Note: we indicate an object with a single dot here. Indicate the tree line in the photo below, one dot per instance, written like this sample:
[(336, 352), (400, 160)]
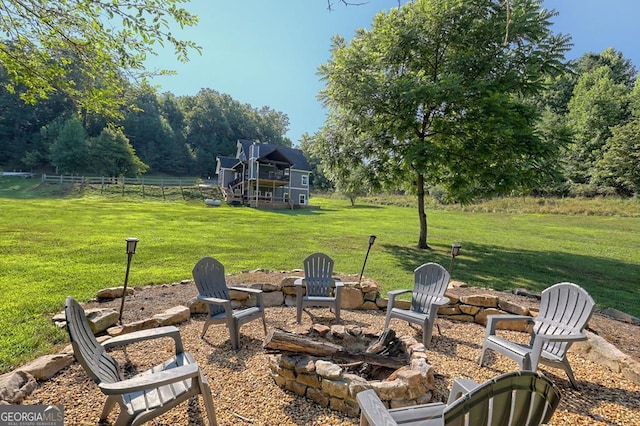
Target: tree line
[(155, 133), (457, 99), (587, 118), (473, 99)]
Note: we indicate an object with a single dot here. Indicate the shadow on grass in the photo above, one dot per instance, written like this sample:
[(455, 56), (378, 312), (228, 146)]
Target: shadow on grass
[(612, 283)]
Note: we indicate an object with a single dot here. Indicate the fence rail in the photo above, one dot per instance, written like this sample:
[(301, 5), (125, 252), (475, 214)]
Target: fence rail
[(24, 175), (105, 180), (187, 188)]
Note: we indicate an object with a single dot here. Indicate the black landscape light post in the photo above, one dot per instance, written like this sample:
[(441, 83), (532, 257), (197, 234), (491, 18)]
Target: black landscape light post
[(131, 249), (372, 239), (455, 251)]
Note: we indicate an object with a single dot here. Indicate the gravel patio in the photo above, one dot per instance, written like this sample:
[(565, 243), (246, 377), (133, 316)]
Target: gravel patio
[(245, 393)]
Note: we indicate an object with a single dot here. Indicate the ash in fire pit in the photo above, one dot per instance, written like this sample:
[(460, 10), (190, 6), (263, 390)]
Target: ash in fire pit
[(331, 365), (387, 345)]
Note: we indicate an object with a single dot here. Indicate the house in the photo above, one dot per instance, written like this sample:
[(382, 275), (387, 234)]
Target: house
[(264, 175)]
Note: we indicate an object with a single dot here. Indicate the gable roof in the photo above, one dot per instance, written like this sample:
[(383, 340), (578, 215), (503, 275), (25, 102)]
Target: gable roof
[(274, 152), (227, 162)]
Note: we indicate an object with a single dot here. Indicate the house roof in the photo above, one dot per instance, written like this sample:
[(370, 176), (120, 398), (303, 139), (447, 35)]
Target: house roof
[(227, 162), (274, 152)]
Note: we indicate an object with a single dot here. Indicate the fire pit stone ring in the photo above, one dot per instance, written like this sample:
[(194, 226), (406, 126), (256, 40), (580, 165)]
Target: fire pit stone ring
[(313, 365)]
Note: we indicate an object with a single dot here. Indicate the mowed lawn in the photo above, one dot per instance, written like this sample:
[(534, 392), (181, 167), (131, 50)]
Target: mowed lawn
[(54, 247)]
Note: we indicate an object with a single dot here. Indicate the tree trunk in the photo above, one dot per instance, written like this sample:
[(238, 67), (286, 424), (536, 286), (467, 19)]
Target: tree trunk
[(422, 215), (283, 341)]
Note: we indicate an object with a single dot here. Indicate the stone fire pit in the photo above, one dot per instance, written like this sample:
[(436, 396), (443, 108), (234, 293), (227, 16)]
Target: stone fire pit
[(332, 381)]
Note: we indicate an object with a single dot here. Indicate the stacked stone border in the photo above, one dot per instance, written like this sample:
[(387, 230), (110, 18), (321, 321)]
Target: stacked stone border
[(18, 384), (329, 385)]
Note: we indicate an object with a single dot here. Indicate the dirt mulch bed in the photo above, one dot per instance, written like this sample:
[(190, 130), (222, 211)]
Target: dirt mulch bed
[(245, 393)]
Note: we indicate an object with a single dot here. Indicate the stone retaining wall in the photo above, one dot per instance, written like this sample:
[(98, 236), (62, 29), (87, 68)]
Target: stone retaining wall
[(329, 385), (365, 295)]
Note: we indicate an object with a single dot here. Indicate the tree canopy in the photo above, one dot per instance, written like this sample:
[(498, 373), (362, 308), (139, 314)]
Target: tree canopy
[(86, 48), (441, 89)]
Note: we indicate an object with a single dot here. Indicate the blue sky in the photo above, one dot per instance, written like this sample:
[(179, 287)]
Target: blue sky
[(266, 52)]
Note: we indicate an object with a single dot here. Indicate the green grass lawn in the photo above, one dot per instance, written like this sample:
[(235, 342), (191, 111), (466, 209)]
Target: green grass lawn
[(51, 247)]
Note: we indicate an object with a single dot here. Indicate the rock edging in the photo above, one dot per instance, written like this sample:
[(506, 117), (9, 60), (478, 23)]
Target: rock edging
[(330, 385), (18, 384)]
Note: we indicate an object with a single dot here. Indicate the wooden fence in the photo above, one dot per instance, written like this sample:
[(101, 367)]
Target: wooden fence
[(139, 183)]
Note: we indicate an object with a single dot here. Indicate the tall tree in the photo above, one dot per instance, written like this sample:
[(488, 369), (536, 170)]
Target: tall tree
[(618, 166), (111, 154), (208, 131), (621, 68), (107, 39), (313, 152), (598, 104), (438, 87), (70, 151), (155, 141)]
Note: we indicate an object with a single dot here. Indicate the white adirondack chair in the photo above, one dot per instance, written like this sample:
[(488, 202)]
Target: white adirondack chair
[(210, 280), (318, 287), (520, 398), (148, 394), (430, 283), (565, 309)]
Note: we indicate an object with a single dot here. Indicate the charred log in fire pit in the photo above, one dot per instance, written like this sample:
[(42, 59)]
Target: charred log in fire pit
[(384, 352)]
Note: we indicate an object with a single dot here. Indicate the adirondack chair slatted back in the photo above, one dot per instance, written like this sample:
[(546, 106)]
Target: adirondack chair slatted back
[(518, 398), (318, 272), (210, 280), (565, 308), (431, 281), (98, 364)]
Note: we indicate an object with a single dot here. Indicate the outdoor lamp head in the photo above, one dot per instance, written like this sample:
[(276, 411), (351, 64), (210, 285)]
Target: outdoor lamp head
[(372, 239), (131, 245), (455, 249)]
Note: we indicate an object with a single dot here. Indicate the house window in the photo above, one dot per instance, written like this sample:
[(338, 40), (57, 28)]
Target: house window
[(305, 180), (302, 199), (285, 197)]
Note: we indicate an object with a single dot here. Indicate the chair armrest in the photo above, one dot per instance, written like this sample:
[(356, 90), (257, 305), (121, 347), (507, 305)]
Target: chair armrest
[(492, 321), (372, 409), (539, 340), (150, 381), (252, 291), (394, 293), (246, 290), (213, 300), (562, 337), (392, 297), (441, 301), (460, 387), (139, 336), (228, 309)]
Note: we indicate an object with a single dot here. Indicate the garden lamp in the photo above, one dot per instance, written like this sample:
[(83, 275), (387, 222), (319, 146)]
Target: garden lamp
[(372, 239), (131, 249), (455, 251)]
